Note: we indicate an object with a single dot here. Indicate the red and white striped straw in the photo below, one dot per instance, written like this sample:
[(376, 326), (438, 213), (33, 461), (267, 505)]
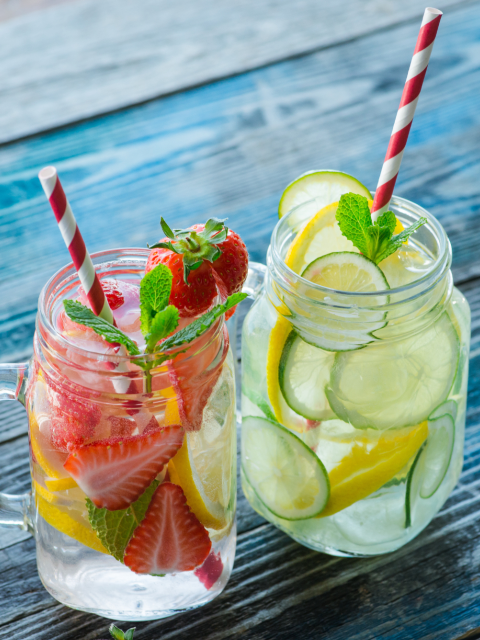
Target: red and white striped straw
[(406, 111), (75, 244)]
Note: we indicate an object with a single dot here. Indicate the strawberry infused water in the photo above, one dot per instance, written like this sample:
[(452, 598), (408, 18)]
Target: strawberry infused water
[(133, 430)]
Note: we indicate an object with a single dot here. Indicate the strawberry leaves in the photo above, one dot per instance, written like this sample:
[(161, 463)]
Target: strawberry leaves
[(374, 239), (194, 246)]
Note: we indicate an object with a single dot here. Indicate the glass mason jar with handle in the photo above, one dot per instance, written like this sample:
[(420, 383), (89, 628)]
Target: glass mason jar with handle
[(353, 404), (133, 491)]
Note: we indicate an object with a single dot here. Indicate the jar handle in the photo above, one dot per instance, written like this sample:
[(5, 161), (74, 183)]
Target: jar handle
[(14, 509), (255, 279), (252, 286)]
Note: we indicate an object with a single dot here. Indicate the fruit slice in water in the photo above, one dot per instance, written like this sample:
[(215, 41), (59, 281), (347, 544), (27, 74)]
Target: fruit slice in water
[(114, 473), (285, 474), (396, 383), (303, 373), (68, 522), (203, 465), (438, 453), (283, 413), (320, 236), (371, 464), (170, 538), (324, 187), (345, 271)]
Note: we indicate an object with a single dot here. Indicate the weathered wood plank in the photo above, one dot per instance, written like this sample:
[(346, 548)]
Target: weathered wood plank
[(230, 148), (280, 588), (114, 53)]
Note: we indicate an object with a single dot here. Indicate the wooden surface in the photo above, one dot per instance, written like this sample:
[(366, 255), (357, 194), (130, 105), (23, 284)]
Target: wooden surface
[(85, 57), (228, 148)]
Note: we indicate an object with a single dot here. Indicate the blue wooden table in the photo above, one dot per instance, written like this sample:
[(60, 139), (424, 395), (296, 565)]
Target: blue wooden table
[(188, 111)]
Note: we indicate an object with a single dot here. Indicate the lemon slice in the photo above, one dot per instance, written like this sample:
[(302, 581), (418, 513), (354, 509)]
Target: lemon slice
[(319, 187), (366, 468), (320, 236), (68, 521), (205, 464)]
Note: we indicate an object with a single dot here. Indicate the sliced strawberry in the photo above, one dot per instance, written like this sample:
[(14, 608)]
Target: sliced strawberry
[(73, 418), (170, 538), (121, 426), (210, 571), (193, 389), (115, 472)]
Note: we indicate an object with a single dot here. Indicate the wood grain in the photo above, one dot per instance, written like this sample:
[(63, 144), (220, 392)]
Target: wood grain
[(229, 149), (79, 59)]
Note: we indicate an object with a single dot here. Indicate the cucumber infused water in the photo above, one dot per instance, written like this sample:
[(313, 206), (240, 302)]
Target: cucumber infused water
[(355, 365)]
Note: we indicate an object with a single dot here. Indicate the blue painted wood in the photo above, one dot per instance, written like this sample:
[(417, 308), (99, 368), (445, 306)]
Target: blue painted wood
[(229, 149)]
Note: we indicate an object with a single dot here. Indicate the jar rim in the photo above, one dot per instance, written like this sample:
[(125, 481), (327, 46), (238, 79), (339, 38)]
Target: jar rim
[(438, 269), (68, 274)]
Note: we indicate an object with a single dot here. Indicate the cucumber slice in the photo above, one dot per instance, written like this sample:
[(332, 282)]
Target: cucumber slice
[(395, 383), (449, 407), (303, 373), (324, 187), (414, 481), (285, 474), (352, 272), (438, 453)]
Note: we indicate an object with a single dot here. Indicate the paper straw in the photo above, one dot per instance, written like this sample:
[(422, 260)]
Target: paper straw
[(406, 111), (81, 259), (73, 239)]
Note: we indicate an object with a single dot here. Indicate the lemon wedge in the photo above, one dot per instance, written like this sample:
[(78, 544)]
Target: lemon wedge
[(205, 464), (366, 468), (68, 521)]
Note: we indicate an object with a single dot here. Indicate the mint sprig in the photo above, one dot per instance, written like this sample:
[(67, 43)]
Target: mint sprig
[(157, 320), (374, 239), (118, 634), (79, 313), (200, 325), (115, 528)]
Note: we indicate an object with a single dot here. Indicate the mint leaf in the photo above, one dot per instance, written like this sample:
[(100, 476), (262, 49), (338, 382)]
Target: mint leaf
[(200, 325), (81, 314), (379, 237), (374, 240), (155, 289), (354, 220), (388, 220), (117, 634), (397, 241), (115, 528), (161, 326)]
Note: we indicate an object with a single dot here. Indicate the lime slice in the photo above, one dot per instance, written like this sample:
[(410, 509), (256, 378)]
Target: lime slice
[(396, 383), (324, 187), (439, 448), (285, 474), (345, 271), (303, 373)]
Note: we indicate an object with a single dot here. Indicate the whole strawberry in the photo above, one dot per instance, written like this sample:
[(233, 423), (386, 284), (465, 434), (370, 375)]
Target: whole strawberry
[(210, 256)]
